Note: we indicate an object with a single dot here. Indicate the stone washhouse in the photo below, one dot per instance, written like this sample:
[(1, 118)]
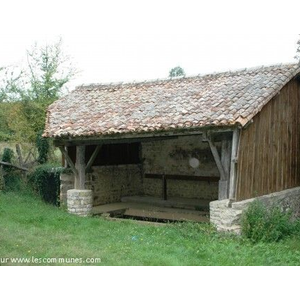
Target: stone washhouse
[(181, 149)]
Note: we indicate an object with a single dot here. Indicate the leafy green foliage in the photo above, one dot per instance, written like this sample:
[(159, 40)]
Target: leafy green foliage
[(26, 94), (7, 156), (267, 223), (25, 120), (5, 130), (176, 72), (11, 84), (43, 148), (12, 177), (45, 179), (49, 71)]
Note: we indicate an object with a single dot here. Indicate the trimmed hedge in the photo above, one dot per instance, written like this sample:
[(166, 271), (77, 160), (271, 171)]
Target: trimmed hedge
[(45, 180)]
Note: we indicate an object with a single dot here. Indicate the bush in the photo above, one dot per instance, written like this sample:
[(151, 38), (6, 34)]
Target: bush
[(45, 179), (11, 178), (267, 223), (7, 156), (43, 148)]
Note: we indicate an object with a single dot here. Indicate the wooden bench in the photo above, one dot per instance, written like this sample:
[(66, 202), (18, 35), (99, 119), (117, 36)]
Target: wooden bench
[(165, 177)]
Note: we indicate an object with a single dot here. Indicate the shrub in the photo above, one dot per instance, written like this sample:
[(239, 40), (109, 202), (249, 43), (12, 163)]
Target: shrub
[(12, 178), (45, 179), (43, 148), (7, 156), (267, 223)]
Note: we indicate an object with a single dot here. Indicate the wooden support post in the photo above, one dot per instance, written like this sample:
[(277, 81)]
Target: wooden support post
[(233, 168), (223, 163), (80, 167), (225, 160), (20, 157)]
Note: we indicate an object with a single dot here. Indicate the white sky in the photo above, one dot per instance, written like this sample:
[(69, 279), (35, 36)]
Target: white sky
[(136, 40)]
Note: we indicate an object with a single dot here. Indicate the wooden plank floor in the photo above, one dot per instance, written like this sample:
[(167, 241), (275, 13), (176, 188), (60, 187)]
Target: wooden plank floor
[(146, 211)]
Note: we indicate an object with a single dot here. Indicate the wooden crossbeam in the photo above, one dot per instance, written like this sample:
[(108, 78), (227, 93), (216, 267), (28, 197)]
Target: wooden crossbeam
[(183, 177), (92, 159), (69, 160), (133, 138)]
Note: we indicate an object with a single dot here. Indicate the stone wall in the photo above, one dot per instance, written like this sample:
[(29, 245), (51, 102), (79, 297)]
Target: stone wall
[(108, 183), (226, 216), (66, 183), (172, 157)]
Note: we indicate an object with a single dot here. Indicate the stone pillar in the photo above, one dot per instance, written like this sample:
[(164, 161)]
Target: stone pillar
[(224, 217), (80, 202), (66, 183)]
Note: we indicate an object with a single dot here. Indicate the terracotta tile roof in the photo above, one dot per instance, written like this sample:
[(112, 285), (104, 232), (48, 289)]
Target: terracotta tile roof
[(222, 99)]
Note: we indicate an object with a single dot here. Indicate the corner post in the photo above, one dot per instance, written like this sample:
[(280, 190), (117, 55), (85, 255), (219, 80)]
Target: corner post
[(233, 165), (225, 160), (80, 167), (223, 164)]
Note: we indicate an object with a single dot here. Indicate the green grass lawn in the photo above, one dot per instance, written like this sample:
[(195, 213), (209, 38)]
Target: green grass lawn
[(37, 231)]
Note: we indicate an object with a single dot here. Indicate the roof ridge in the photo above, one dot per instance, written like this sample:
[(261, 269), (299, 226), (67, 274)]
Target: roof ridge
[(168, 79)]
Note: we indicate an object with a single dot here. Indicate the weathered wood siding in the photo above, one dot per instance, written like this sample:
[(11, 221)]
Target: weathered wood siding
[(269, 153)]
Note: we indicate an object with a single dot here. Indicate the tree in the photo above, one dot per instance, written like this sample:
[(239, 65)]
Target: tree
[(49, 72), (10, 84), (26, 94), (5, 131), (176, 72)]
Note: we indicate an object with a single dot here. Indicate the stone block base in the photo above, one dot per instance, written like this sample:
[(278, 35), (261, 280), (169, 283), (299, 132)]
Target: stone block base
[(80, 202), (227, 216)]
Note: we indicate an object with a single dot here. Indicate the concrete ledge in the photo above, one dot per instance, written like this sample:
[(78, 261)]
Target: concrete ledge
[(227, 217), (80, 202)]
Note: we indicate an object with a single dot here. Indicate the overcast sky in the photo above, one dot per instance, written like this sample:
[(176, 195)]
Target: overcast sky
[(136, 40)]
